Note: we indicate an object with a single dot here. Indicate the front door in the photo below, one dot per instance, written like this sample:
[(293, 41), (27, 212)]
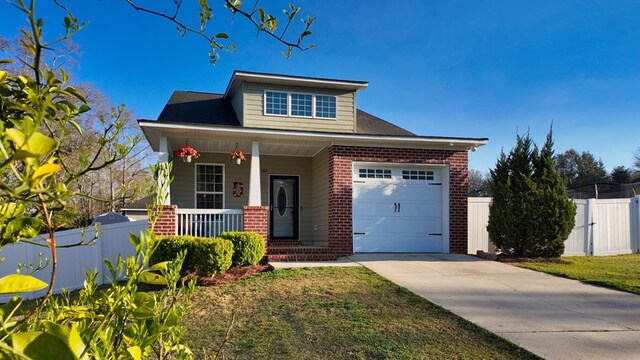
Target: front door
[(283, 207)]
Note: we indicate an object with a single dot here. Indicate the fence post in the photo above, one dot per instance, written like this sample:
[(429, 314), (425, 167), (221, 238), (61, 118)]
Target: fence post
[(589, 216), (635, 221)]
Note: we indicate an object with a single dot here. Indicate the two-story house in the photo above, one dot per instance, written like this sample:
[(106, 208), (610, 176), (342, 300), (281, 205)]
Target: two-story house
[(322, 179)]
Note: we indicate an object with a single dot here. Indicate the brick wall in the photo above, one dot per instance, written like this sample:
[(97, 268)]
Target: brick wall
[(255, 219), (340, 189), (167, 224)]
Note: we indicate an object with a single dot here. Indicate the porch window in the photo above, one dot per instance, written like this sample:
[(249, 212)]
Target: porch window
[(209, 186)]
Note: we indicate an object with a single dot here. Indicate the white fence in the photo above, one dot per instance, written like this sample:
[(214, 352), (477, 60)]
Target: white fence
[(208, 222), (603, 227), (73, 261)]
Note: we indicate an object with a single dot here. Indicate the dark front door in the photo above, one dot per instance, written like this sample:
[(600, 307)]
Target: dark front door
[(283, 207)]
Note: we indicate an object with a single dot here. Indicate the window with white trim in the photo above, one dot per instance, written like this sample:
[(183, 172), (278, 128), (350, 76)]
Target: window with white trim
[(276, 103), (326, 106), (281, 103), (209, 186)]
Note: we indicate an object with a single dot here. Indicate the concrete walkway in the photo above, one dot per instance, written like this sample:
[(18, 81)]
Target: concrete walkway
[(553, 317)]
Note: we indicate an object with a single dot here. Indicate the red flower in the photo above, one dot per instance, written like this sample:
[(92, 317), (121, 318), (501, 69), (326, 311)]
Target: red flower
[(187, 151), (238, 154)]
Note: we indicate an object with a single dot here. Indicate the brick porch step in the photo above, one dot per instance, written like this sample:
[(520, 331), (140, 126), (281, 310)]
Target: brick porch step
[(299, 253)]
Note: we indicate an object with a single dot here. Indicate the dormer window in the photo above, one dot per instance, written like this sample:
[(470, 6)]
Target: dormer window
[(299, 105)]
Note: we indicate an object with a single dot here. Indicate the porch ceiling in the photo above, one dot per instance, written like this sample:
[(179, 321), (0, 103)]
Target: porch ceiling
[(226, 145)]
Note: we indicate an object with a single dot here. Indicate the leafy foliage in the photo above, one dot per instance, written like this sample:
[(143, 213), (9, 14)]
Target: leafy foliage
[(205, 256), (530, 214), (248, 247), (621, 175), (581, 168)]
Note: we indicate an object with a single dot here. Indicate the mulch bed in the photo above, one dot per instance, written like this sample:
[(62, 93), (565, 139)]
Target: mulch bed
[(234, 274)]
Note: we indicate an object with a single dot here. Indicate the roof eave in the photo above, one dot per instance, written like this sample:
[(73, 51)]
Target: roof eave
[(153, 131), (240, 76)]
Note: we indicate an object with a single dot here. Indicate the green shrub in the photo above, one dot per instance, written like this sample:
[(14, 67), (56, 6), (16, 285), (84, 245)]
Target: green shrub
[(248, 247), (530, 214), (205, 256)]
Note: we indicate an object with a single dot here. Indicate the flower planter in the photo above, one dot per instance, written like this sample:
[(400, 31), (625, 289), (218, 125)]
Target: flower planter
[(237, 161), (186, 159)]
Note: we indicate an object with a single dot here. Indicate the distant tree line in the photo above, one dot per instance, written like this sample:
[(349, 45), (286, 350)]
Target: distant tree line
[(578, 168)]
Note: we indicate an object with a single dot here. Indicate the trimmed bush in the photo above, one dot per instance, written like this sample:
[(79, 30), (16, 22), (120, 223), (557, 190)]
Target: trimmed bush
[(205, 256), (248, 247)]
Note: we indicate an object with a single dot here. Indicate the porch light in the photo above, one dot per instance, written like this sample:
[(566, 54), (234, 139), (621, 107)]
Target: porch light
[(186, 153)]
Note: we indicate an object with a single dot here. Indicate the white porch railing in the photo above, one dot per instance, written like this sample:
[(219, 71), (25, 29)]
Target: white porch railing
[(208, 222)]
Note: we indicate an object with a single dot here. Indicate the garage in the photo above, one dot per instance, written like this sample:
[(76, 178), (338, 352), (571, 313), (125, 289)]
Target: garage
[(399, 208)]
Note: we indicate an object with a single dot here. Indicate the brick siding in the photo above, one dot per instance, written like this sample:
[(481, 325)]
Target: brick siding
[(340, 189), (255, 219), (167, 224)]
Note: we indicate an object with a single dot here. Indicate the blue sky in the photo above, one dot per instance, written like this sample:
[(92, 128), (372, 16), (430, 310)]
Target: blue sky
[(446, 68)]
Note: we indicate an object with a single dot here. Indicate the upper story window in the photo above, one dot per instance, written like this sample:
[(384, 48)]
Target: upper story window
[(326, 106), (276, 103), (301, 105), (298, 104)]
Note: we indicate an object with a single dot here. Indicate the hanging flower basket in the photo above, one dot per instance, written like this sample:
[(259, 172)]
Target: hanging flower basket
[(186, 153), (237, 157)]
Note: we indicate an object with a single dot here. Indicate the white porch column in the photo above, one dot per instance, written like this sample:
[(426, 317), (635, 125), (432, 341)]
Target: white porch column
[(163, 157), (255, 196)]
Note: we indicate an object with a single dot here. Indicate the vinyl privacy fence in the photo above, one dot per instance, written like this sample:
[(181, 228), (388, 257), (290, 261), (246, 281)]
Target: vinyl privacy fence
[(113, 240), (603, 227)]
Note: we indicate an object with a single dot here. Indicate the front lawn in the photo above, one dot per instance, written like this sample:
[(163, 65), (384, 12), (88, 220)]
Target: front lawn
[(332, 313), (621, 272)]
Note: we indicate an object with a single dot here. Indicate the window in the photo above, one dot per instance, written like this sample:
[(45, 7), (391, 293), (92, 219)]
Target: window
[(301, 105), (417, 174), (209, 186), (325, 106), (276, 103), (374, 173), (297, 104)]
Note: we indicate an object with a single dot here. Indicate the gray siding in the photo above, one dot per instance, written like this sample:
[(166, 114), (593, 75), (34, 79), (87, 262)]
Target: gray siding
[(254, 110), (238, 104), (313, 187)]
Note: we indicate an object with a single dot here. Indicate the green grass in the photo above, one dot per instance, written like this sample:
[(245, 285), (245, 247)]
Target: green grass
[(332, 313), (621, 272)]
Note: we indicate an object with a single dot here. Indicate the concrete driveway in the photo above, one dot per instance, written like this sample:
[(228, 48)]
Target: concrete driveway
[(553, 317)]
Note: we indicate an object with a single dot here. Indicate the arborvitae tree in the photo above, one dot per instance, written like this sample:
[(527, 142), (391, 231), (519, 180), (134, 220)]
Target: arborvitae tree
[(530, 214)]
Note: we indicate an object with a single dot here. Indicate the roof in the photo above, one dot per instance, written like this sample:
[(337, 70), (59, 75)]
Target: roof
[(191, 107), (140, 204), (373, 125), (198, 108), (240, 76)]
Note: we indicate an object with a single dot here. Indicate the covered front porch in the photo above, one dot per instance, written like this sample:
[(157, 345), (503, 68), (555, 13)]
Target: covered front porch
[(281, 191)]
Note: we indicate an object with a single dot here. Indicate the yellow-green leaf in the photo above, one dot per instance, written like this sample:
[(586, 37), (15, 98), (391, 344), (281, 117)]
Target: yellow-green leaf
[(69, 336), (16, 136), (41, 346), (17, 283), (135, 352), (3, 75), (11, 210), (148, 277), (44, 171), (159, 266)]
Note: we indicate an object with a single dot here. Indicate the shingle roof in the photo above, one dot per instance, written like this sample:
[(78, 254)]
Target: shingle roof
[(198, 108), (206, 108)]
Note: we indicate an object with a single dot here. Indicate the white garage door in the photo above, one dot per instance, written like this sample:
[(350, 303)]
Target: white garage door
[(397, 209)]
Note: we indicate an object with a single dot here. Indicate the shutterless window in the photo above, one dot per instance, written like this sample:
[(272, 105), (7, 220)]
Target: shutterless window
[(325, 106), (276, 103), (209, 186), (301, 105)]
